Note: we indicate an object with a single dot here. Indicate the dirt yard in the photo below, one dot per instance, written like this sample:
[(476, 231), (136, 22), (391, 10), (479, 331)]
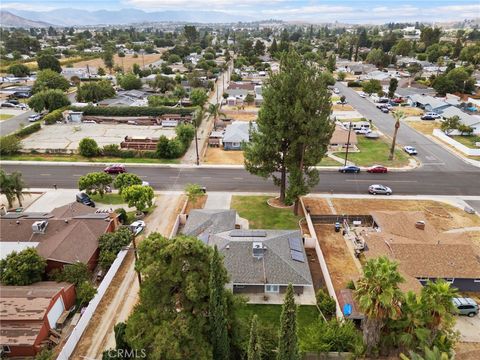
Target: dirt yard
[(340, 263), (220, 156), (28, 199), (126, 62), (242, 115), (199, 204), (342, 107), (317, 205), (425, 127), (410, 111), (443, 216), (315, 270)]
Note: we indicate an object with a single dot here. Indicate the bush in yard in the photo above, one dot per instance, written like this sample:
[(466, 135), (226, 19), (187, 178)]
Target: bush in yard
[(169, 149), (73, 273), (110, 245), (50, 99), (122, 215), (88, 147), (27, 130), (111, 150), (354, 84), (130, 81), (132, 110), (185, 134), (341, 76), (193, 191), (95, 91), (52, 117), (125, 180), (22, 268), (85, 292), (141, 197), (94, 182), (9, 145), (326, 303), (19, 70), (372, 86)]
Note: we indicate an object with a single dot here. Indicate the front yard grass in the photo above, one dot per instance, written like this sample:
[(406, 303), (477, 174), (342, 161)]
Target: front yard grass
[(78, 158), (375, 152), (424, 126), (5, 116), (328, 161), (108, 199), (261, 215), (270, 314), (468, 141)]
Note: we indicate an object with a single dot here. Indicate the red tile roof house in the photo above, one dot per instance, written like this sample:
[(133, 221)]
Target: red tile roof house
[(67, 235), (28, 313)]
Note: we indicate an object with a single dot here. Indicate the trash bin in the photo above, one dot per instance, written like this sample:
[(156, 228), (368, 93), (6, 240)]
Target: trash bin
[(337, 227)]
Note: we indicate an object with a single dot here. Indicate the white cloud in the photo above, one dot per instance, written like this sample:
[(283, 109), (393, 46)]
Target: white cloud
[(198, 4), (27, 6), (309, 10)]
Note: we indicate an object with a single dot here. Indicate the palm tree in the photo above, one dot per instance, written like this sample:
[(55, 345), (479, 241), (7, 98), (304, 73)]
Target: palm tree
[(379, 297), (6, 188), (215, 112), (397, 115), (18, 185)]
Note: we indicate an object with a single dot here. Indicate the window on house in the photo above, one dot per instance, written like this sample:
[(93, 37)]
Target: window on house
[(450, 280), (272, 288), (476, 280)]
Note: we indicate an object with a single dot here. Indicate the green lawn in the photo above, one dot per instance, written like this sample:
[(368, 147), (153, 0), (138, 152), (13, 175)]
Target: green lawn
[(270, 314), (5, 116), (108, 199), (77, 158), (327, 161), (375, 152), (468, 141), (261, 215)]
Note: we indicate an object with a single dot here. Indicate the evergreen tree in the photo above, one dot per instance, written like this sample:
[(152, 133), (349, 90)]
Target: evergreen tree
[(288, 338), (217, 309), (254, 351), (273, 48)]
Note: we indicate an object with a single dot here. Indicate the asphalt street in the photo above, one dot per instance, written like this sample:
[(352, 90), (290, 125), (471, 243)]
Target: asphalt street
[(417, 182), (433, 156)]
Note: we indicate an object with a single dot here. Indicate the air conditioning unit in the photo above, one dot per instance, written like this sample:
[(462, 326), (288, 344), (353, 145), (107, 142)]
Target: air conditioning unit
[(38, 227)]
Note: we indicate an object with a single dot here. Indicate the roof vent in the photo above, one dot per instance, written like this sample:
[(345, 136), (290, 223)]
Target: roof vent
[(257, 250), (420, 225), (39, 227)]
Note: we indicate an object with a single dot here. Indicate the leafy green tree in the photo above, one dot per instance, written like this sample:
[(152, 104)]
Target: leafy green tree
[(217, 308), (141, 197), (130, 81), (288, 337), (249, 99), (430, 36), (198, 97), (403, 47), (341, 75), (19, 70), (326, 303), (94, 182), (6, 188), (18, 185), (185, 134), (50, 100), (110, 245), (254, 351), (22, 268), (95, 91), (372, 86), (273, 48), (450, 124), (168, 149), (107, 58), (191, 34), (85, 292), (379, 297), (49, 79), (259, 48), (45, 354), (101, 71), (9, 144), (50, 62), (392, 87), (377, 57), (331, 63), (76, 273), (162, 83), (294, 128), (88, 147), (456, 80), (193, 192), (125, 180)]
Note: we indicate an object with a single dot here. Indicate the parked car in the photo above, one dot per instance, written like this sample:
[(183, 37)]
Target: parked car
[(398, 100), (372, 135), (466, 306), (34, 117), (385, 110), (336, 91), (137, 227), (362, 94), (13, 101), (433, 114), (341, 103), (362, 131), (383, 100), (377, 169), (21, 94), (349, 169), (410, 150), (145, 183), (8, 105), (379, 189), (115, 169), (85, 199), (427, 117)]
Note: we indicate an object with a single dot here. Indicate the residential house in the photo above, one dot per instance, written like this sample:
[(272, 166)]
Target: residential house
[(127, 98), (427, 103), (66, 235), (422, 251), (408, 91), (237, 133), (29, 313), (237, 91), (465, 119), (340, 139)]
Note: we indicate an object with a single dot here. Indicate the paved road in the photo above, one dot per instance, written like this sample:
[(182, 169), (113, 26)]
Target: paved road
[(15, 123), (417, 182), (433, 156)]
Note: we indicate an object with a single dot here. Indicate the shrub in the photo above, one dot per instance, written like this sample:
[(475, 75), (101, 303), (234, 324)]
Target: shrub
[(122, 215), (9, 145), (22, 268), (326, 303), (169, 149), (132, 110), (354, 84), (53, 117), (27, 130), (88, 147), (111, 150)]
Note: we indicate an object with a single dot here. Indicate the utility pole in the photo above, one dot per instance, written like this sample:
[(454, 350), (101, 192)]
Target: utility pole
[(196, 142), (348, 142)]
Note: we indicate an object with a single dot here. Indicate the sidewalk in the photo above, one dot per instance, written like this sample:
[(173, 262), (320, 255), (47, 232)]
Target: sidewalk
[(218, 200)]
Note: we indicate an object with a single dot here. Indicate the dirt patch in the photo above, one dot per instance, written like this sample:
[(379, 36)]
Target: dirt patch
[(126, 62), (467, 351), (340, 263), (220, 156), (410, 111), (315, 270), (28, 199), (198, 204), (339, 107), (425, 127), (241, 115), (317, 206), (276, 203)]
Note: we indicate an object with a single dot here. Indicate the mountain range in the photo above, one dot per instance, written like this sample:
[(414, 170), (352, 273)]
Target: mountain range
[(7, 19), (78, 17)]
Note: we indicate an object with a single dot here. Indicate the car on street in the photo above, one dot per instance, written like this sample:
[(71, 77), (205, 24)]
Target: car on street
[(465, 306), (137, 227), (13, 101), (115, 169), (84, 199), (336, 91), (410, 150), (362, 131), (379, 189), (34, 117), (145, 183), (8, 105), (384, 109), (377, 169), (362, 94), (398, 100), (349, 169), (21, 95)]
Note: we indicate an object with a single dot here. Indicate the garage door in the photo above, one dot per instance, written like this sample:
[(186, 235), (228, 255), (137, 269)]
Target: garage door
[(57, 309)]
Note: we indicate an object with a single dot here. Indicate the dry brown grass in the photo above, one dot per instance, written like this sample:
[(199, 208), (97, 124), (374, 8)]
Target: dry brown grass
[(340, 263), (127, 62), (339, 107), (467, 351), (443, 216), (198, 204), (410, 111), (317, 206), (219, 156), (425, 127)]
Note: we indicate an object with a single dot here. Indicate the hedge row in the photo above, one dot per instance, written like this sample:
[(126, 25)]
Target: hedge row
[(132, 110), (27, 130), (53, 117), (354, 84)]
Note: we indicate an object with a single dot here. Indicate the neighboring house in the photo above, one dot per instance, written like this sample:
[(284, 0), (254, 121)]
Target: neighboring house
[(409, 91), (427, 103), (339, 139), (423, 252), (258, 95), (65, 236), (127, 98), (29, 313), (237, 133), (257, 261), (465, 119), (82, 73), (240, 89)]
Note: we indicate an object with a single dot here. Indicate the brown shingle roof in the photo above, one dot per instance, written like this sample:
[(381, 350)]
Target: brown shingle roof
[(340, 136)]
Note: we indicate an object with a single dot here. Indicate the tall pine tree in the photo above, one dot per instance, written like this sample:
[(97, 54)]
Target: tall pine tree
[(288, 339), (217, 307), (254, 344)]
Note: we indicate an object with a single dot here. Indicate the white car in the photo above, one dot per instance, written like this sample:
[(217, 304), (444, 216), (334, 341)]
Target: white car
[(34, 117), (433, 114), (336, 91), (362, 131), (410, 150), (379, 189), (137, 227), (362, 94), (145, 183)]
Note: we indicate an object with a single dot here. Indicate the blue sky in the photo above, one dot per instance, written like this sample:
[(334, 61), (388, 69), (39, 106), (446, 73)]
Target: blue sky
[(375, 11)]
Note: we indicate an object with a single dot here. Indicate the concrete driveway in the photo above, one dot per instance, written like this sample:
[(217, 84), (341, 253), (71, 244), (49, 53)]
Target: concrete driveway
[(469, 328)]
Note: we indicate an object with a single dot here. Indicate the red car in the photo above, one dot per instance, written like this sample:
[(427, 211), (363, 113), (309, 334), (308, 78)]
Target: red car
[(398, 100), (377, 169), (115, 169)]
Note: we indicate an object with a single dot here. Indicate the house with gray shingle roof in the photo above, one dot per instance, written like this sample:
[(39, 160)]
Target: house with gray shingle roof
[(237, 133)]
